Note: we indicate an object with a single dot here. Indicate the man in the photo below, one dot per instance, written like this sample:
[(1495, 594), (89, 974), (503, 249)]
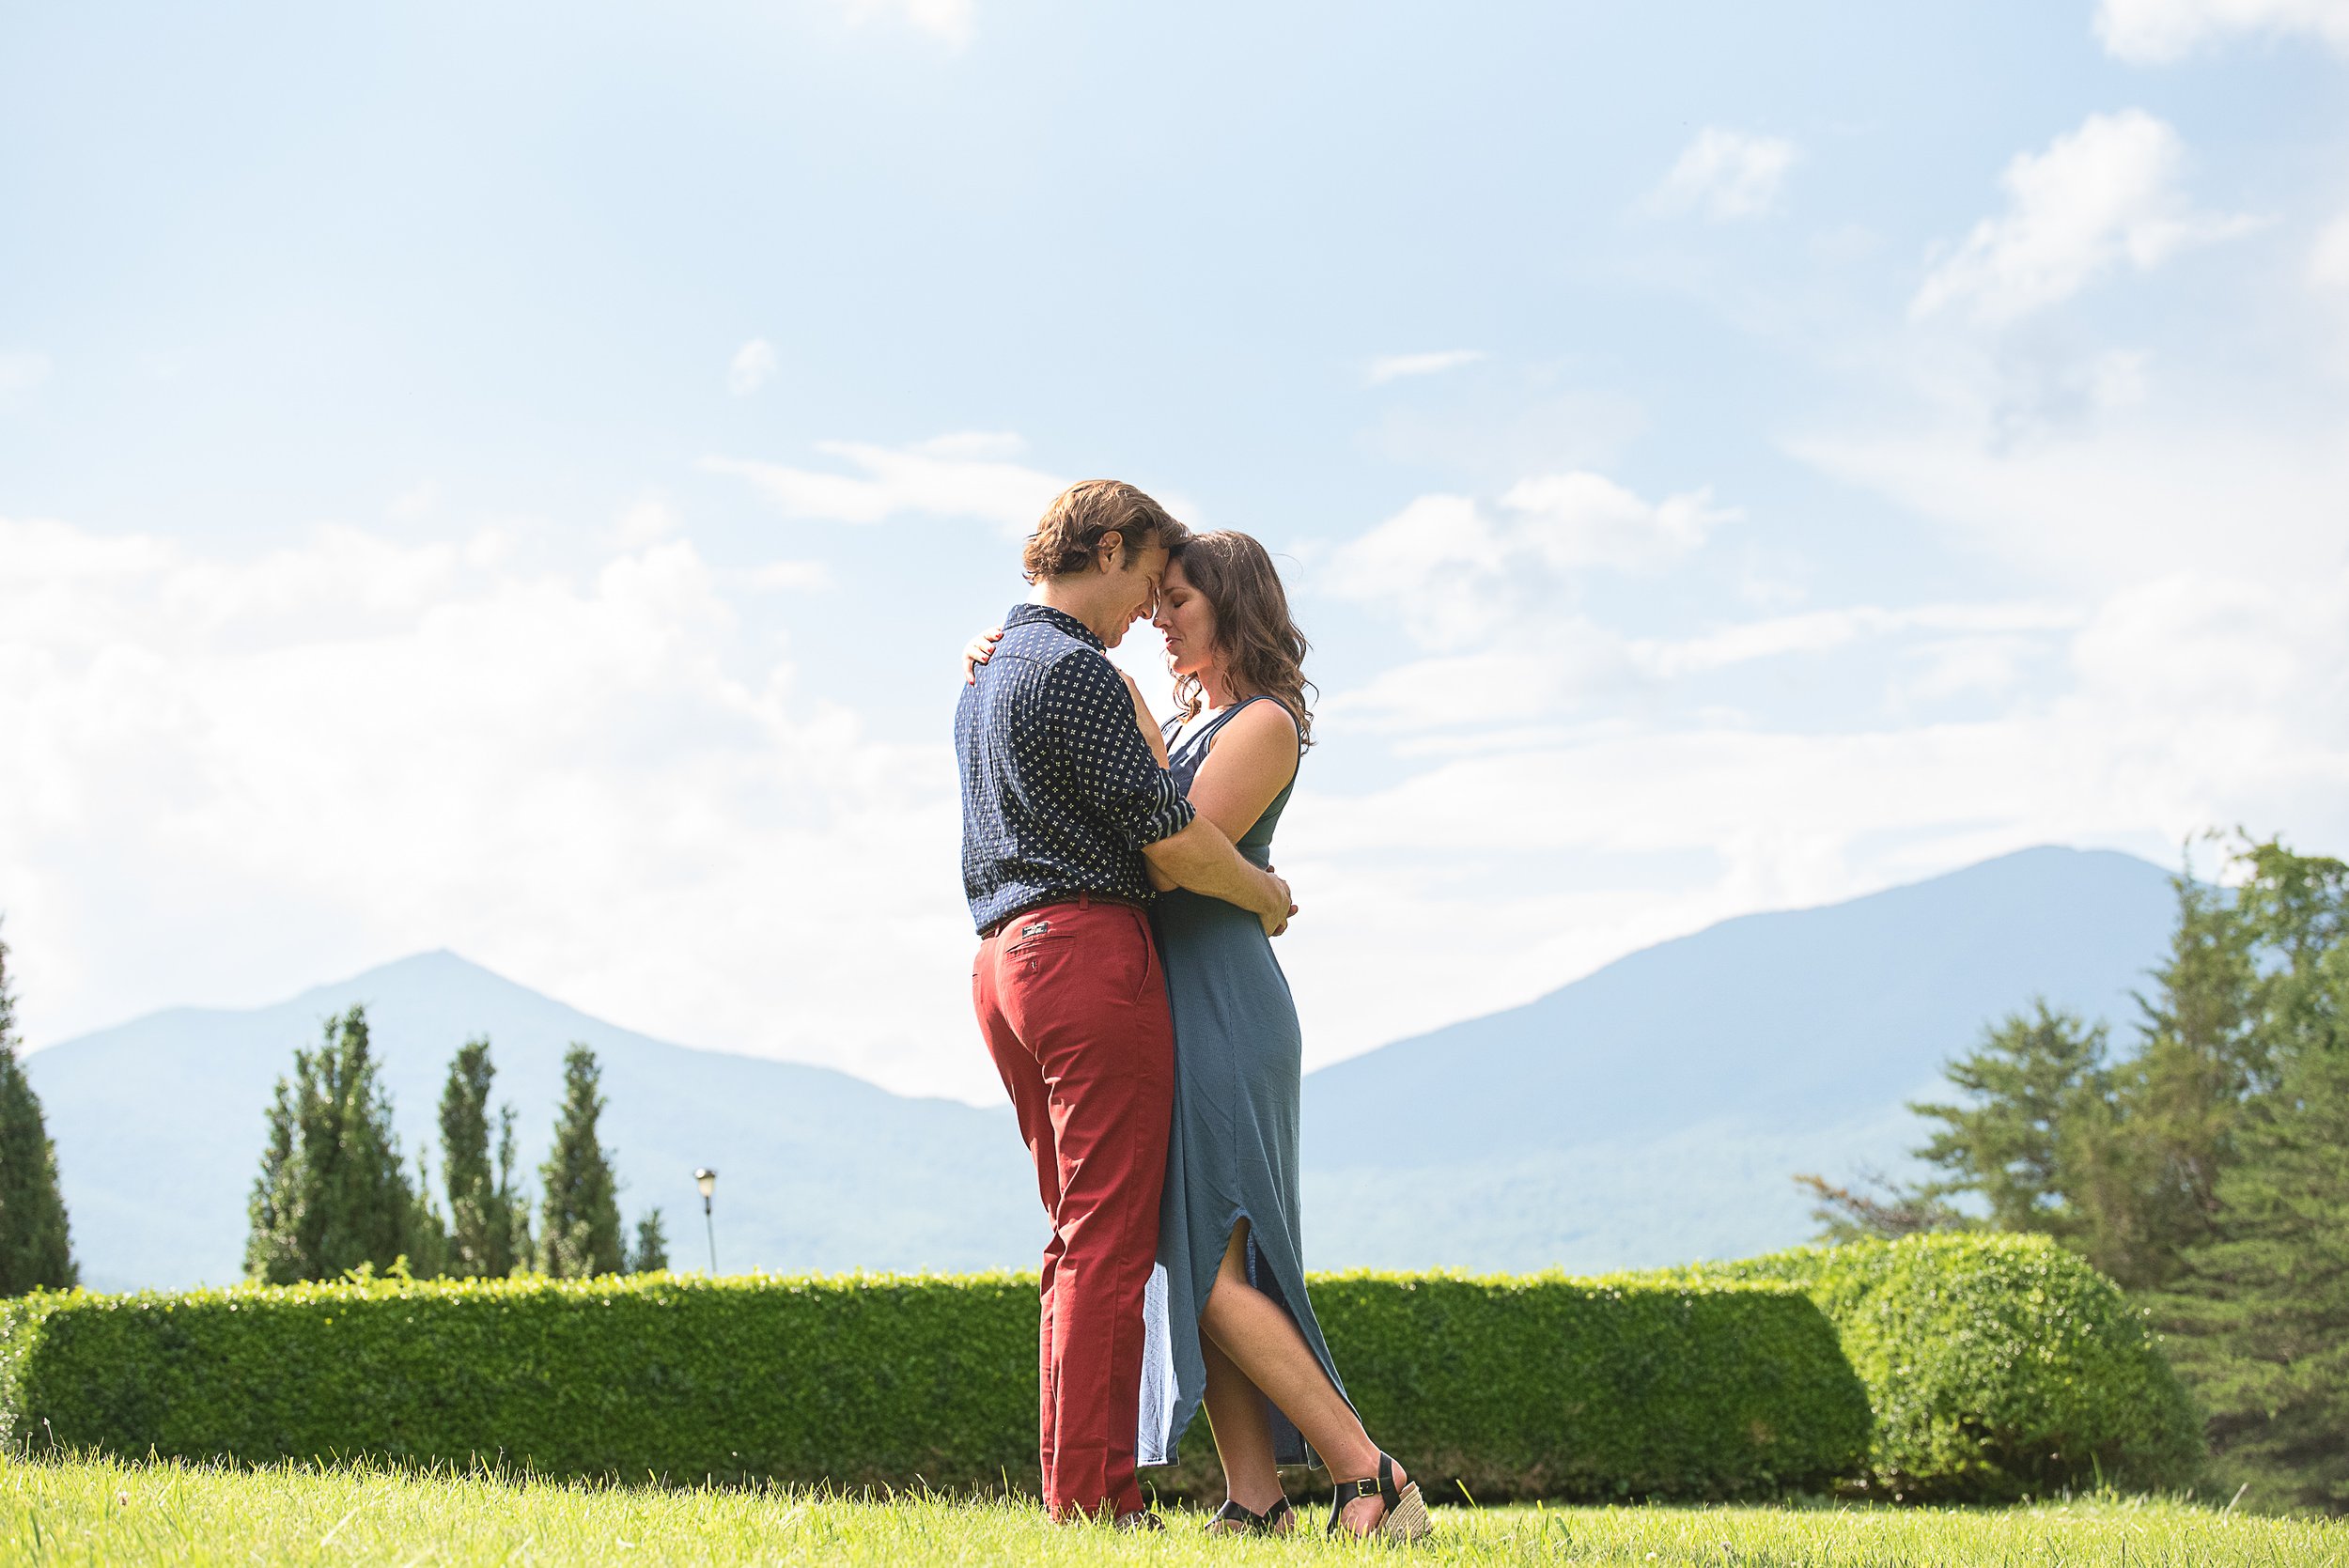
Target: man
[(1063, 809)]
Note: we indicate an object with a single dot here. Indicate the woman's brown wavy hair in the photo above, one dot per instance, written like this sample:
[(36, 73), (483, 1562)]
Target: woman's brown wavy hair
[(1262, 652)]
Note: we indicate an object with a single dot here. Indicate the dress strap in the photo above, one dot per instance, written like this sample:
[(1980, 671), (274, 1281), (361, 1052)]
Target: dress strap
[(1225, 717)]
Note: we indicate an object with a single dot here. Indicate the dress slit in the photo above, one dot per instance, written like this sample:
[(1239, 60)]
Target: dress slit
[(1232, 1149)]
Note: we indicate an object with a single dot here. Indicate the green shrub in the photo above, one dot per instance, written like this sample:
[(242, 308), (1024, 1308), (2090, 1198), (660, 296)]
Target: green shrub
[(1515, 1387), (1543, 1385), (1998, 1366)]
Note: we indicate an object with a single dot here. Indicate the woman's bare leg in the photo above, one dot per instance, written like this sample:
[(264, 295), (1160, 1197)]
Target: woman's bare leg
[(1243, 1433), (1263, 1344)]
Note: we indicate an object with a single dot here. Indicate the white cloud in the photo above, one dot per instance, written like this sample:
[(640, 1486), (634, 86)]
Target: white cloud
[(1394, 367), (2329, 259), (2145, 491), (1726, 174), (1565, 667), (956, 475), (415, 503), (648, 520), (2100, 197), (21, 372), (2182, 702), (791, 575), (2158, 30), (250, 774), (752, 367), (951, 21), (1457, 567)]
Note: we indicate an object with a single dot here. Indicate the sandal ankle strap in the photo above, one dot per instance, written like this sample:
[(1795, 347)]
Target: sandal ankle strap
[(1237, 1513), (1381, 1486)]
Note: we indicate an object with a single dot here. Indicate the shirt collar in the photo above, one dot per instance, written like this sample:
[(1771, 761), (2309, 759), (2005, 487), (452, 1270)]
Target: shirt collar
[(1023, 615)]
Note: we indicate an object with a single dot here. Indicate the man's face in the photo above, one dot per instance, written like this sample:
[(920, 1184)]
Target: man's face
[(1137, 576)]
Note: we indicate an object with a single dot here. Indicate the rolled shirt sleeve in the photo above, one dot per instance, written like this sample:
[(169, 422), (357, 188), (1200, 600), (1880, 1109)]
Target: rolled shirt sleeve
[(1115, 771)]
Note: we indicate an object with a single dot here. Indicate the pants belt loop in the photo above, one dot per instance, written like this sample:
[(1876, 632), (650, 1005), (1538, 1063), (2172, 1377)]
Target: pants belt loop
[(1084, 901)]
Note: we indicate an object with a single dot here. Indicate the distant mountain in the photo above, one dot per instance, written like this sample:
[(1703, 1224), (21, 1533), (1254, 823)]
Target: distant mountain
[(1652, 1111), (159, 1124), (1648, 1114)]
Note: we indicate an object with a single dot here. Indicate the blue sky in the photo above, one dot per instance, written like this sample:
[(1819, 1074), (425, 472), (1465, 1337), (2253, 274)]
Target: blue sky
[(514, 478)]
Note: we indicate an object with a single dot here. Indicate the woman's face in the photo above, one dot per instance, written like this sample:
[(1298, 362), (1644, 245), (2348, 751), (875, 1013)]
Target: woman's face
[(1187, 620)]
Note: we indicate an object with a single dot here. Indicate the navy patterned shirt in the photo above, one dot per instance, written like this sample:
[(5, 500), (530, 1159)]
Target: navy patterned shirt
[(1060, 791)]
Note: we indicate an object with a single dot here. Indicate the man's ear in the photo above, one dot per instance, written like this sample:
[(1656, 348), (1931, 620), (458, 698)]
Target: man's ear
[(1109, 554)]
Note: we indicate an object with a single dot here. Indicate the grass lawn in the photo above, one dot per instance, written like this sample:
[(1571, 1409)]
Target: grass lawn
[(104, 1512)]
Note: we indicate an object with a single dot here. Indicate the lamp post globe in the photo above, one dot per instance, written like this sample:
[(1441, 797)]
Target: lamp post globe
[(707, 1180)]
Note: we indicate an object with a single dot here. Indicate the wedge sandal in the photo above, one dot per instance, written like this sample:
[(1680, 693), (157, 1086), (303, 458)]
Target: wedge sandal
[(1242, 1522), (1406, 1518)]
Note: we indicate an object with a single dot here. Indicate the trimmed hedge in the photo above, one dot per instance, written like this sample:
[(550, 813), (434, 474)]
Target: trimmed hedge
[(1998, 1366), (1511, 1388)]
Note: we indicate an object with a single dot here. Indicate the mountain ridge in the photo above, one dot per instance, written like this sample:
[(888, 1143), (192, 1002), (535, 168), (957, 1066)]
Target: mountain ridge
[(1650, 1111)]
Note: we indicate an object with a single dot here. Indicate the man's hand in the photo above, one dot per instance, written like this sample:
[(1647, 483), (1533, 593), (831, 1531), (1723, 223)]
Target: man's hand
[(982, 649), (1275, 913), (1202, 858)]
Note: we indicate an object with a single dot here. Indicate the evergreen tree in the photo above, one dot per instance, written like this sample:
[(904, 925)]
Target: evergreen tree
[(2147, 1184), (1876, 1208), (2261, 1323), (579, 1230), (483, 1206), (2260, 1313), (2120, 1160), (333, 1194), (652, 1245), (2208, 1172), (2014, 1146), (428, 1251), (525, 1251), (35, 1248)]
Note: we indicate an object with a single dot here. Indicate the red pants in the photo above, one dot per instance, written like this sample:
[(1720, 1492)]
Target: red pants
[(1073, 1006)]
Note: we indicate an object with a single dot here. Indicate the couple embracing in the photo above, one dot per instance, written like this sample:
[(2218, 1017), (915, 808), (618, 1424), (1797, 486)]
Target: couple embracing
[(1121, 882)]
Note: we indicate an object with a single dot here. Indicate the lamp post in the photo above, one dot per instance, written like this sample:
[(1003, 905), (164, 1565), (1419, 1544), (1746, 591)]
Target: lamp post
[(707, 1180)]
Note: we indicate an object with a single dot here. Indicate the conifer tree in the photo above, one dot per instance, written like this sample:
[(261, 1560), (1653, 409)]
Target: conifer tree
[(333, 1194), (525, 1251), (579, 1231), (651, 1253), (2148, 1186), (2260, 1313), (2015, 1144), (34, 1247), (428, 1249), (2260, 1323), (482, 1203)]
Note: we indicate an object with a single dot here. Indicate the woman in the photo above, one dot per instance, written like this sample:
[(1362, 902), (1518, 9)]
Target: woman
[(1232, 1327)]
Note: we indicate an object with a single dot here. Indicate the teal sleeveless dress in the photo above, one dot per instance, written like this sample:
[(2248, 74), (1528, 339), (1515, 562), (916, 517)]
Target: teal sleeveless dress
[(1233, 1151)]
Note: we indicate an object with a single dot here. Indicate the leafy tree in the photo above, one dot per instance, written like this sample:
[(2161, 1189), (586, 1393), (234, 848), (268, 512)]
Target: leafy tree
[(652, 1245), (578, 1231), (333, 1194), (488, 1220), (35, 1248)]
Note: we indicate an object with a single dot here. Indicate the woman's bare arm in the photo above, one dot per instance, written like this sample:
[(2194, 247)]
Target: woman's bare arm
[(1253, 759)]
